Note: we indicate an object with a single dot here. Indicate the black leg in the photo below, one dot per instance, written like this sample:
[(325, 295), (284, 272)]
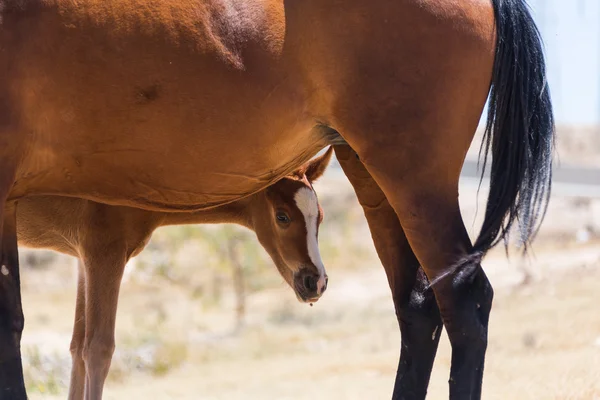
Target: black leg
[(421, 328), (416, 308), (466, 322), (12, 385)]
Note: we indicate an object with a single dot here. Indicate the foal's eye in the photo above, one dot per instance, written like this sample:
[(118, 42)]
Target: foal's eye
[(282, 218)]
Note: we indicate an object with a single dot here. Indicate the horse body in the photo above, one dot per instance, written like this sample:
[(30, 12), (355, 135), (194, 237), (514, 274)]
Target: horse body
[(104, 238), (140, 87), (101, 94), (185, 105)]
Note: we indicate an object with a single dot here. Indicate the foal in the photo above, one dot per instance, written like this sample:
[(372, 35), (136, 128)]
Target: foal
[(285, 218)]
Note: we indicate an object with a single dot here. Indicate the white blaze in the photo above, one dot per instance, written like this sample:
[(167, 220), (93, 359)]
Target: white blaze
[(306, 200)]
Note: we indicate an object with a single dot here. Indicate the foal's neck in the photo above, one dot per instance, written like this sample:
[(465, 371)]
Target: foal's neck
[(237, 212)]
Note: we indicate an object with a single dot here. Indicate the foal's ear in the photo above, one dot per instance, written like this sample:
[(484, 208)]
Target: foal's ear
[(316, 167)]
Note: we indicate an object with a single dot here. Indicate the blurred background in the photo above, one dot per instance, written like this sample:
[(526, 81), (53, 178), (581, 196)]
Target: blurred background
[(204, 314)]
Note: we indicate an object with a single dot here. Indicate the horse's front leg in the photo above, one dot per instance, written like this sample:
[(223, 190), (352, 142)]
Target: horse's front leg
[(12, 385), (416, 308), (103, 271), (78, 374)]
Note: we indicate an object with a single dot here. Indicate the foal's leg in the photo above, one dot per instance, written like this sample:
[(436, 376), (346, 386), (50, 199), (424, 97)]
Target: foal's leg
[(416, 309), (104, 270), (12, 385), (78, 374)]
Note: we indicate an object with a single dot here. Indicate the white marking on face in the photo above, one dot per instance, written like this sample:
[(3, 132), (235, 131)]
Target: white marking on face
[(434, 332), (4, 270), (307, 203)]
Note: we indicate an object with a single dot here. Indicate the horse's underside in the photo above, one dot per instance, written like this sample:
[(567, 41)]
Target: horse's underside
[(186, 104)]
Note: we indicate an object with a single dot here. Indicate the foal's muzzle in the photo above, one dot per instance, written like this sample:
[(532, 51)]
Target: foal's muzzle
[(309, 285)]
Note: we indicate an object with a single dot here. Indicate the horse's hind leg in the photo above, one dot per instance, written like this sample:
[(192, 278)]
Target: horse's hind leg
[(414, 147), (416, 309), (78, 374), (12, 385), (421, 184)]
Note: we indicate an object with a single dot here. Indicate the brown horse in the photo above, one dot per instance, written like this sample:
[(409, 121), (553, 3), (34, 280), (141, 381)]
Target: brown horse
[(285, 217), (174, 105)]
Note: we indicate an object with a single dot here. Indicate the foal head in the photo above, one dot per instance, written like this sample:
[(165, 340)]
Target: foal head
[(286, 219)]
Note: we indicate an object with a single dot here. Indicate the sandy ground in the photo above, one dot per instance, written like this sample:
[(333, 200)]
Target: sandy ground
[(544, 334), (544, 341)]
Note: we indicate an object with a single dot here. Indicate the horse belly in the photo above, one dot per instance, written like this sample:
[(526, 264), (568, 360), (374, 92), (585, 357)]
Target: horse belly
[(125, 117), (204, 169)]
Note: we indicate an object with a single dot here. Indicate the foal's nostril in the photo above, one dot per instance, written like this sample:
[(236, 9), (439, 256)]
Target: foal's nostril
[(310, 283)]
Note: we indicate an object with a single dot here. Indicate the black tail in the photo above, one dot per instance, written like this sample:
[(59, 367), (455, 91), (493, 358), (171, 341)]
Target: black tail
[(519, 131)]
